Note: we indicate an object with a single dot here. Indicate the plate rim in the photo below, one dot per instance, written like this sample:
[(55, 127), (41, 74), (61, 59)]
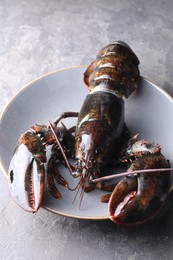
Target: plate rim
[(74, 216), (2, 114)]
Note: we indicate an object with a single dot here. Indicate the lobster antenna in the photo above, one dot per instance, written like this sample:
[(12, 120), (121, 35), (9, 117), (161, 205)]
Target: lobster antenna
[(122, 174), (78, 186), (81, 185), (74, 187), (81, 197), (60, 146)]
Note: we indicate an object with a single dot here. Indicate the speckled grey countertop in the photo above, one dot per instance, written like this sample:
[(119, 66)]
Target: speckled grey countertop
[(37, 37)]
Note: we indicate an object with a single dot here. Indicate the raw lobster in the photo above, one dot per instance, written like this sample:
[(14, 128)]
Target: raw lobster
[(99, 135)]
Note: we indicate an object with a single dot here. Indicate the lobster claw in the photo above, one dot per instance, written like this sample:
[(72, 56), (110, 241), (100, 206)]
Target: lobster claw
[(119, 202), (26, 176), (137, 199)]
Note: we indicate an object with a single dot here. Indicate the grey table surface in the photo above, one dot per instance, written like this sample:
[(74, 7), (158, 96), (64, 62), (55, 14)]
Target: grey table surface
[(37, 37)]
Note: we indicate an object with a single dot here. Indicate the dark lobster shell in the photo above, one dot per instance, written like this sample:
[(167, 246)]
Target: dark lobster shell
[(115, 69)]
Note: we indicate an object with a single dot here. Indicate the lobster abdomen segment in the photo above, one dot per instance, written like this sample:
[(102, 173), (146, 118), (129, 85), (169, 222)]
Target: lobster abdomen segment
[(115, 69)]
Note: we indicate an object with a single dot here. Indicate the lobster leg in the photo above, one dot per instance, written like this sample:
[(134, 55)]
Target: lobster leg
[(65, 115), (51, 172), (136, 199)]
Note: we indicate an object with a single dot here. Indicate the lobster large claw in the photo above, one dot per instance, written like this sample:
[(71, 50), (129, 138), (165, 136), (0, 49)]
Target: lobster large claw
[(136, 199), (26, 172)]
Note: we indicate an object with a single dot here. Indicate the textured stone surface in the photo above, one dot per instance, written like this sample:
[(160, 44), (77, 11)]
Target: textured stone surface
[(41, 36)]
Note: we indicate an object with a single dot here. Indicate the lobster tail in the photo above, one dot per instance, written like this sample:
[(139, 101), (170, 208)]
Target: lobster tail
[(114, 70)]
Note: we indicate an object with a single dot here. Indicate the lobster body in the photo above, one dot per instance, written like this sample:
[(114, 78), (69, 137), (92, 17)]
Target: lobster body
[(99, 128), (111, 76)]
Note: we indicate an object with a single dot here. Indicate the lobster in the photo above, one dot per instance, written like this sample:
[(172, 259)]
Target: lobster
[(142, 193), (97, 140)]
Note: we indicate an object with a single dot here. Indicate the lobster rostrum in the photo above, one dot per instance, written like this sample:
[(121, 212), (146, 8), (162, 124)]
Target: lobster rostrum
[(98, 139)]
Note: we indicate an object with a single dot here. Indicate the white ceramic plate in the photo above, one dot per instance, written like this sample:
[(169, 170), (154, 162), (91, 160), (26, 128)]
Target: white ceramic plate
[(149, 111)]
